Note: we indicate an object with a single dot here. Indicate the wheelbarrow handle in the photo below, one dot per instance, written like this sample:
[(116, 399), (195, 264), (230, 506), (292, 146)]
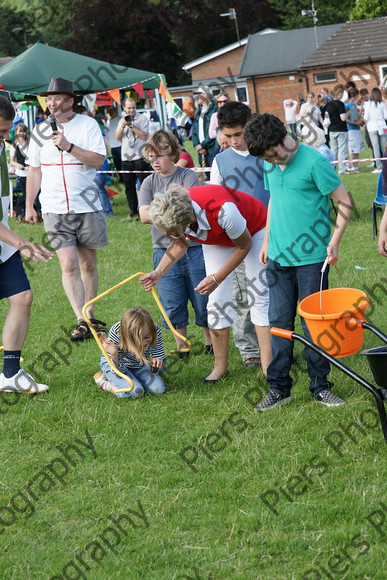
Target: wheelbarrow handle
[(352, 323), (282, 333)]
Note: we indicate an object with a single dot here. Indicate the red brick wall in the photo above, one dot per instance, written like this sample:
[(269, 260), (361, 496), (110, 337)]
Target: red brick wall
[(271, 91), (347, 73), (220, 66)]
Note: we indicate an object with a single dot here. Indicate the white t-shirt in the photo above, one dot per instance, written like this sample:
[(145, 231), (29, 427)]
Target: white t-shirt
[(67, 184), (374, 115), (290, 111)]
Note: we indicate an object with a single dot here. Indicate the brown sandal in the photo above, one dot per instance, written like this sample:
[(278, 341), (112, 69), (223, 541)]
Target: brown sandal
[(98, 325), (81, 331)]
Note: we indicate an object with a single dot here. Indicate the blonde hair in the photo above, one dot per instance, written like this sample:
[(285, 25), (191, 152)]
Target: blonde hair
[(135, 324), (162, 142), (172, 209)]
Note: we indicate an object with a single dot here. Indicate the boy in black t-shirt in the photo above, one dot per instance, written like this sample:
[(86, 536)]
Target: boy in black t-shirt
[(338, 132)]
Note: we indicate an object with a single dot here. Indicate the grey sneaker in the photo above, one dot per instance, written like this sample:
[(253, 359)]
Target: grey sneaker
[(327, 398), (252, 363), (22, 382), (272, 401)]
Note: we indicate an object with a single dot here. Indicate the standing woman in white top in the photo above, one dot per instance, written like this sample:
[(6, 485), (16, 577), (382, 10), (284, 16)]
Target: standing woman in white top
[(18, 161), (311, 109), (375, 115)]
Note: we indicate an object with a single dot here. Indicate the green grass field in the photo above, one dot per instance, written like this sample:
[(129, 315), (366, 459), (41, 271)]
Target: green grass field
[(192, 484)]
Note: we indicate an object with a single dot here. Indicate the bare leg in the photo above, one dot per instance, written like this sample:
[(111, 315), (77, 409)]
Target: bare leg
[(220, 340), (354, 156), (264, 341), (71, 279), (180, 343), (16, 323), (89, 275), (207, 335)]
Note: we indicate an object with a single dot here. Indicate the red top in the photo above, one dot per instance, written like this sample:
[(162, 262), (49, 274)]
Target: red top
[(211, 198), (187, 157)]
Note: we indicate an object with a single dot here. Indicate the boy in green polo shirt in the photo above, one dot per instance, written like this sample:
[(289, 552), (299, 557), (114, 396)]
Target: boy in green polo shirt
[(297, 242)]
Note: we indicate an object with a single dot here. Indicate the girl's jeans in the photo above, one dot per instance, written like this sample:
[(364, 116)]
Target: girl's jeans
[(143, 379)]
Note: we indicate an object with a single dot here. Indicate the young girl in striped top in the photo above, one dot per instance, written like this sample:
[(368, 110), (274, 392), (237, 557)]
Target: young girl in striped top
[(135, 345)]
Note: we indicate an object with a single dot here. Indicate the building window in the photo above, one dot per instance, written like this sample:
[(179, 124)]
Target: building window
[(241, 94), (325, 77), (383, 74)]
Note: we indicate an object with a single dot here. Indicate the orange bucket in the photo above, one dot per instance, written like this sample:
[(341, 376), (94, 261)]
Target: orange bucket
[(329, 316)]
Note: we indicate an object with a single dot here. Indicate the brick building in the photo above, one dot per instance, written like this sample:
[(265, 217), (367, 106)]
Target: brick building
[(356, 52), (218, 70), (272, 65)]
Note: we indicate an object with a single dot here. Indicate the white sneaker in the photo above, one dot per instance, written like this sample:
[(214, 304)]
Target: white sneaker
[(22, 382), (376, 171)]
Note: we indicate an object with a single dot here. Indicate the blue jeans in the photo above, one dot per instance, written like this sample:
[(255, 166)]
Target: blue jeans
[(288, 285), (103, 194), (339, 147), (144, 380), (176, 287), (243, 329)]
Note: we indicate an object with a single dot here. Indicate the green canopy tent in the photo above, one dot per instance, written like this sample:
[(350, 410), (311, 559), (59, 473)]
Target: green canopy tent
[(30, 73)]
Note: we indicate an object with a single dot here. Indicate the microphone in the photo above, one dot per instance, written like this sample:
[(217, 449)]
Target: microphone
[(52, 120)]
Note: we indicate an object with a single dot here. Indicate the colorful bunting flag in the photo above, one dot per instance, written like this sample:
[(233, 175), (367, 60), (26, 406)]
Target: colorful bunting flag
[(42, 102), (162, 90), (115, 94), (139, 88)]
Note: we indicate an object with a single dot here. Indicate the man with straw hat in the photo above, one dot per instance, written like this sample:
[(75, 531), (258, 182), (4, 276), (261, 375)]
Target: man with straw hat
[(63, 156)]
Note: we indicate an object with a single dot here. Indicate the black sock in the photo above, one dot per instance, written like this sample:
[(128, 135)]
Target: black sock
[(11, 364)]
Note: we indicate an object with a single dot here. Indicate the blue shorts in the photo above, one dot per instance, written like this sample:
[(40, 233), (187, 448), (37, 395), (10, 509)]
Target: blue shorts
[(13, 278), (177, 287)]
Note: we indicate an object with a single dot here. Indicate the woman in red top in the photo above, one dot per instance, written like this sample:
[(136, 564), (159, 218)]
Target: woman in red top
[(231, 226)]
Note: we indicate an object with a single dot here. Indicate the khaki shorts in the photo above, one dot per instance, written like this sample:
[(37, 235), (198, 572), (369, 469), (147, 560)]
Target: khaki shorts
[(86, 230)]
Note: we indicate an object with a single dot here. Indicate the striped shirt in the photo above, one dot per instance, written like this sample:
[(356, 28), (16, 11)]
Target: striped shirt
[(128, 360)]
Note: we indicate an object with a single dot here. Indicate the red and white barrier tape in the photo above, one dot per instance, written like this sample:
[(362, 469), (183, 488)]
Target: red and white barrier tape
[(209, 168)]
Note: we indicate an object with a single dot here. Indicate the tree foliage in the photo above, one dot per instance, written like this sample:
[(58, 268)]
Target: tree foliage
[(332, 12), (158, 35), (125, 33), (368, 9), (41, 22)]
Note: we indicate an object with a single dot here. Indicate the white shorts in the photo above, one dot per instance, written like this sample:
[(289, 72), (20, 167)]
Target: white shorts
[(220, 308), (355, 141)]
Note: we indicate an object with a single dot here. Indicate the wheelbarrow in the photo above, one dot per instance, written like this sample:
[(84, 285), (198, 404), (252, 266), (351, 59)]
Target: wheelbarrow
[(377, 359), (100, 345), (335, 320)]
